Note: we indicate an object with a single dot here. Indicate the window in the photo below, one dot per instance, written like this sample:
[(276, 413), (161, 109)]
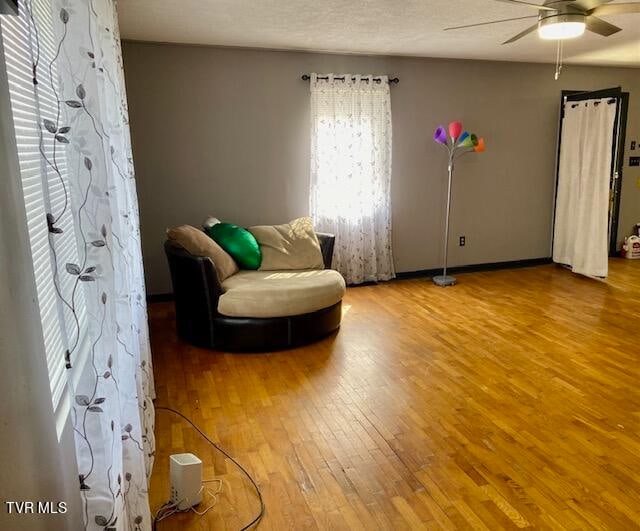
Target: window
[(29, 55), (350, 177), (350, 157)]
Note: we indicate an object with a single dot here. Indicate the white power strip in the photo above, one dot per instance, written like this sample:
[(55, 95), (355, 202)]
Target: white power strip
[(185, 471)]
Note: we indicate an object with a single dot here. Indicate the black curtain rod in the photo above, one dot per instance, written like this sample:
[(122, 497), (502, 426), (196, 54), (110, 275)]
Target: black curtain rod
[(392, 81), (595, 103)]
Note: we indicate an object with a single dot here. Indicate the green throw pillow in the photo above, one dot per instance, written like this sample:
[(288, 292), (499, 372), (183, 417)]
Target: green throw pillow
[(238, 242)]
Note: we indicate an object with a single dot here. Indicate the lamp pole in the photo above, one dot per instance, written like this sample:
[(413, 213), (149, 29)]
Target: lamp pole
[(462, 143), (444, 279)]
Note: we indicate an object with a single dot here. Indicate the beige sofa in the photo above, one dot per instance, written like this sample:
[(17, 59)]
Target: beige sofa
[(254, 310)]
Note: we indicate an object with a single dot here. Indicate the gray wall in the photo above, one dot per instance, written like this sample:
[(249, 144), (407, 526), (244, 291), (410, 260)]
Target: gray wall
[(34, 464), (225, 132)]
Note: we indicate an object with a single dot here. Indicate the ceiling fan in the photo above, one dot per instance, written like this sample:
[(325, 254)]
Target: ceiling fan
[(565, 19)]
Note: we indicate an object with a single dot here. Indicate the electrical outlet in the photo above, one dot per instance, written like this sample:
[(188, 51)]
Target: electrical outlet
[(463, 241)]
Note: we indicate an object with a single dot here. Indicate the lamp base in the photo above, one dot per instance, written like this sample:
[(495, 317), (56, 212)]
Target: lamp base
[(444, 280)]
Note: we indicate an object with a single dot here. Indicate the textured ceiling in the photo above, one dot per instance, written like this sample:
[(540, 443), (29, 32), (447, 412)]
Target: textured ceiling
[(388, 27)]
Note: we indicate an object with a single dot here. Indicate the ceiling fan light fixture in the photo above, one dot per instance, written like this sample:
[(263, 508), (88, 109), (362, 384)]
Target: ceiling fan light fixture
[(561, 27)]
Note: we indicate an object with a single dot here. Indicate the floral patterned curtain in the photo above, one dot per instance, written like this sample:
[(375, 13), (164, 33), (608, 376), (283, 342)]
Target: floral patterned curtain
[(351, 172), (86, 155)]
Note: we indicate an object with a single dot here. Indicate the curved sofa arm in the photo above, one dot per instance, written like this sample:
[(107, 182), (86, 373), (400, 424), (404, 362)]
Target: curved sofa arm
[(196, 290), (327, 242)]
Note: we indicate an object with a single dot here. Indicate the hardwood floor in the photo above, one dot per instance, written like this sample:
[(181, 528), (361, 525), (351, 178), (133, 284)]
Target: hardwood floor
[(511, 400)]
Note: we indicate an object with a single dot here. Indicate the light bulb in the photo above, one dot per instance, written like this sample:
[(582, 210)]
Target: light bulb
[(561, 30)]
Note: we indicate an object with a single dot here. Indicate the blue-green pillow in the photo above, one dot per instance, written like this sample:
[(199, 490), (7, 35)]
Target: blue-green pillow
[(238, 242)]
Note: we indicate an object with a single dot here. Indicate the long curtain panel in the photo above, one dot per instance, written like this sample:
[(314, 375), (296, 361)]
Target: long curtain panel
[(582, 205), (350, 186), (88, 176)]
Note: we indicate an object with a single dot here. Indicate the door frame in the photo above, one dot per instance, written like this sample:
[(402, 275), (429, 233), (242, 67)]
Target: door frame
[(617, 158)]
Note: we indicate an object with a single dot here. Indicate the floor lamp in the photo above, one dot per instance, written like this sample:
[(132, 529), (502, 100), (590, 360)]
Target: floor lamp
[(460, 144)]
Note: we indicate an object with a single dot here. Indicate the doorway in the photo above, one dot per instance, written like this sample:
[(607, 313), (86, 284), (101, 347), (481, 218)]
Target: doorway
[(614, 96)]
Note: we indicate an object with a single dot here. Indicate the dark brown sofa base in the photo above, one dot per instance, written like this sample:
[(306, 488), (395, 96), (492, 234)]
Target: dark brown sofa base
[(243, 334), (197, 289)]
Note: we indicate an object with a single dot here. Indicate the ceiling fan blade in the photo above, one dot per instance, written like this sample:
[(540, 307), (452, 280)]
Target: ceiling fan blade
[(601, 27), (522, 34), (530, 4), (588, 5), (616, 9), (491, 22)]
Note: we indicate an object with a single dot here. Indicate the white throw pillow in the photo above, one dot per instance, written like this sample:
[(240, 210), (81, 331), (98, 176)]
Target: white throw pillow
[(209, 222)]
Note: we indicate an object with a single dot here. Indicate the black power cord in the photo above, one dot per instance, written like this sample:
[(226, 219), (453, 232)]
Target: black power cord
[(257, 519)]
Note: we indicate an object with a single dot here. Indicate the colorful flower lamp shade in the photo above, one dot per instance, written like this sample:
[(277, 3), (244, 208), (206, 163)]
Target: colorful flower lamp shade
[(461, 143), (455, 128), (440, 136)]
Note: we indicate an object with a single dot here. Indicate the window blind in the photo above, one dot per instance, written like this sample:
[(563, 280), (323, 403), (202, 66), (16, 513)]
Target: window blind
[(29, 46)]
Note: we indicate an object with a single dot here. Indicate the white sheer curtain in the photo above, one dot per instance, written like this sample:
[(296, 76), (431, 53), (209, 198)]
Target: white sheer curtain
[(351, 172), (582, 204), (113, 409), (71, 49)]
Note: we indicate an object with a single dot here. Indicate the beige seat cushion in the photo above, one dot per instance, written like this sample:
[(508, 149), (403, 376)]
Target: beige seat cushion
[(293, 245), (280, 293), (198, 243)]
